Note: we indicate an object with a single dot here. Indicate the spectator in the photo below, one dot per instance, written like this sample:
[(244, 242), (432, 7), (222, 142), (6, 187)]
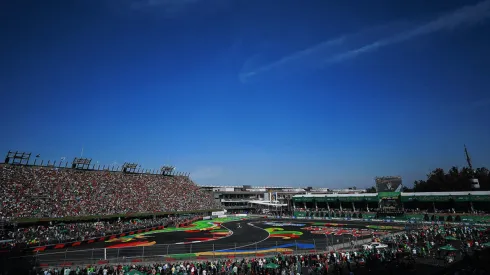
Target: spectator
[(27, 192)]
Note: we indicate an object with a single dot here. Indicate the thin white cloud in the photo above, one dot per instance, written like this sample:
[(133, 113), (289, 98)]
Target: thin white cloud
[(463, 17)]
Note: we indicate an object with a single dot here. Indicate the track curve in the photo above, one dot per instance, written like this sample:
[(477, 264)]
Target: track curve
[(252, 236)]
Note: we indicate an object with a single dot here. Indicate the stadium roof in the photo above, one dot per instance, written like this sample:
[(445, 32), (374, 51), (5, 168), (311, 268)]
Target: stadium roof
[(459, 196), (456, 193), (268, 203), (241, 186)]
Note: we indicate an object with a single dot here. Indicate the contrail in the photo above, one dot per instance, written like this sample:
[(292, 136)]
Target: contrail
[(290, 58), (466, 16)]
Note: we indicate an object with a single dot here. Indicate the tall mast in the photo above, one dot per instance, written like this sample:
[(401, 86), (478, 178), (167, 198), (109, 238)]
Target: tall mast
[(475, 183), (468, 159)]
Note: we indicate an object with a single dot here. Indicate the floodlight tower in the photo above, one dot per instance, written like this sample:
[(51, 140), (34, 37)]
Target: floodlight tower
[(81, 163), (167, 170), (18, 158), (129, 167), (475, 184)]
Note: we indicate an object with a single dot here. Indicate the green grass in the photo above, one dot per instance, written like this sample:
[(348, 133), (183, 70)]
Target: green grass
[(182, 256)]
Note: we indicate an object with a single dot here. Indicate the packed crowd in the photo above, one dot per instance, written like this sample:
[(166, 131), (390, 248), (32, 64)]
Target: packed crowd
[(71, 232), (435, 240), (367, 262), (58, 192)]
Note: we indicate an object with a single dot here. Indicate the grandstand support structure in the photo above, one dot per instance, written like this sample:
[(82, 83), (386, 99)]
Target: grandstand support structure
[(81, 163), (19, 158), (129, 167)]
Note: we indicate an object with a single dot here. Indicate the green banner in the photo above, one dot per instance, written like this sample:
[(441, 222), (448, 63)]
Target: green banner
[(359, 199), (303, 199), (372, 199), (389, 195), (480, 198), (426, 199), (326, 199), (446, 198), (336, 199), (299, 214), (461, 198)]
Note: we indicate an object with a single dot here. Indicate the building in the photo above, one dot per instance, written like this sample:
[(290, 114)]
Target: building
[(401, 204), (247, 197)]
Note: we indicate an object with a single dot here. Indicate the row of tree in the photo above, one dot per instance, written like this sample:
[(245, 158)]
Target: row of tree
[(454, 179)]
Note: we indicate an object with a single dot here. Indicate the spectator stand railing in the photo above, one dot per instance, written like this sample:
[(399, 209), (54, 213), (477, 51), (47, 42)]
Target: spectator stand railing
[(24, 159), (419, 222)]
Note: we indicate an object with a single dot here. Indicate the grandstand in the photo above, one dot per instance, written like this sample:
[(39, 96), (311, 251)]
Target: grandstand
[(32, 190), (408, 205)]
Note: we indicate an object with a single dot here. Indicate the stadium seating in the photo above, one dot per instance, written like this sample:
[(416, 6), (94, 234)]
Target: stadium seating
[(27, 191)]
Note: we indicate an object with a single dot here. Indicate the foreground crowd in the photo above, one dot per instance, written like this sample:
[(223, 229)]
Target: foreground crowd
[(52, 192), (62, 233), (366, 263)]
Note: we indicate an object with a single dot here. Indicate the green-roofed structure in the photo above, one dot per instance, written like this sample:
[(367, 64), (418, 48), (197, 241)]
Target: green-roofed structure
[(382, 204)]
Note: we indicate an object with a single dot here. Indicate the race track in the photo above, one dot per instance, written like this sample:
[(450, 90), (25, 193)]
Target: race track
[(237, 238)]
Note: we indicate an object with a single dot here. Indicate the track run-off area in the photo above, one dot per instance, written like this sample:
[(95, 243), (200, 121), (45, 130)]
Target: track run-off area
[(220, 238)]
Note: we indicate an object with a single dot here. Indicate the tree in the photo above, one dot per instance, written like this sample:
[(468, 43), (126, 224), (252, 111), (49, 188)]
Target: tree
[(406, 189), (371, 189), (454, 180)]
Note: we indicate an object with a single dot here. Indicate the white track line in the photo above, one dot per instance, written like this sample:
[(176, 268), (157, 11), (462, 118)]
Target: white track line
[(250, 224)]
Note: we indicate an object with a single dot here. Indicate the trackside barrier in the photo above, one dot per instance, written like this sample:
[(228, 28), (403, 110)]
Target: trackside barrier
[(178, 253), (98, 239), (375, 220), (102, 239)]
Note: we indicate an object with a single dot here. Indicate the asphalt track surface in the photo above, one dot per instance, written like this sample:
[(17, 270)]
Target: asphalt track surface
[(247, 237)]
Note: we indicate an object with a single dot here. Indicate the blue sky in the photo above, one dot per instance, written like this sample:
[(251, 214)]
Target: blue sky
[(277, 92)]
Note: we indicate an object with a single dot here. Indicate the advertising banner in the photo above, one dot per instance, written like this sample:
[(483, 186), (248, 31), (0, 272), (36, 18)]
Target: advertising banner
[(217, 213)]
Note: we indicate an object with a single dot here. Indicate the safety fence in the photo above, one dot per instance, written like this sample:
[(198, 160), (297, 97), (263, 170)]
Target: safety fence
[(397, 221), (197, 251), (41, 248)]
